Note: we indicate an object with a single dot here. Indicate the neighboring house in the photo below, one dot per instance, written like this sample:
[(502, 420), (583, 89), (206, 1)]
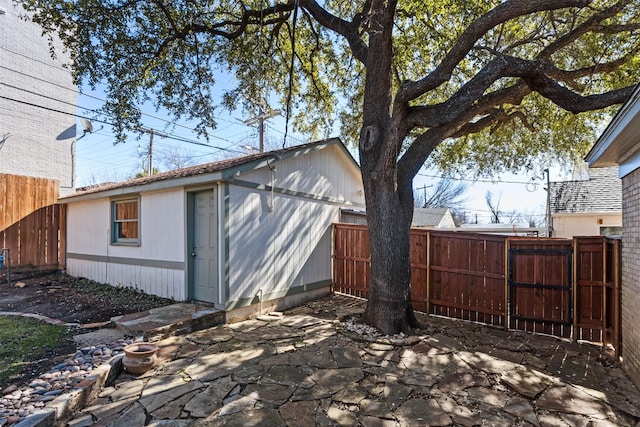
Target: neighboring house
[(231, 233), (620, 145), (353, 216), (422, 218), (507, 229), (37, 103), (591, 206), (432, 218)]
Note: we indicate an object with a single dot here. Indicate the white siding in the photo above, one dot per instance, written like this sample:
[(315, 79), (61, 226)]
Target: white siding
[(274, 251), (163, 219), (162, 216), (323, 172), (88, 227), (167, 283), (289, 245)]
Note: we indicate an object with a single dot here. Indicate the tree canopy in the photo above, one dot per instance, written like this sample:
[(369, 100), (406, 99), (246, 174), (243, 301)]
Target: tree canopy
[(480, 62)]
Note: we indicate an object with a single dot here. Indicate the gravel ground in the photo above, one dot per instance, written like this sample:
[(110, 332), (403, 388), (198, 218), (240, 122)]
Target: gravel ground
[(70, 300)]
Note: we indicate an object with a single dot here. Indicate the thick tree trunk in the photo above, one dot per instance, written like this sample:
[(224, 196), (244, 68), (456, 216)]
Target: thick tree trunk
[(389, 214), (389, 199)]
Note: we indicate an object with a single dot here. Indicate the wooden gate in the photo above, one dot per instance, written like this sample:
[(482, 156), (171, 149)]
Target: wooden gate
[(540, 286)]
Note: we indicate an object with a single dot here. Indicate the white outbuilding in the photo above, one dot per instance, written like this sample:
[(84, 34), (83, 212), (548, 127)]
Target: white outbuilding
[(231, 233)]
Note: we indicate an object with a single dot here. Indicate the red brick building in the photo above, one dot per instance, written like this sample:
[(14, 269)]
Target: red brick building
[(620, 145)]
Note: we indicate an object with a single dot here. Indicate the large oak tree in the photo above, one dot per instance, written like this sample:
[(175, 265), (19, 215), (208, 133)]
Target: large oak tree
[(479, 85)]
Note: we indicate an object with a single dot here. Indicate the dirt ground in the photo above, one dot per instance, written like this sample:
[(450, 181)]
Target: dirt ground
[(71, 300)]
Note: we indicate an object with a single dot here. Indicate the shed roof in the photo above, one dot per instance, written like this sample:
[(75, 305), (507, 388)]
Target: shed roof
[(220, 170), (602, 192), (427, 217)]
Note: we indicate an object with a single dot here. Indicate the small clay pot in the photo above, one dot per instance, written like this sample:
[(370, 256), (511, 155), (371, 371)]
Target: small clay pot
[(139, 357)]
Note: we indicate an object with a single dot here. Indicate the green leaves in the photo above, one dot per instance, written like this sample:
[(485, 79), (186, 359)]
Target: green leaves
[(170, 53)]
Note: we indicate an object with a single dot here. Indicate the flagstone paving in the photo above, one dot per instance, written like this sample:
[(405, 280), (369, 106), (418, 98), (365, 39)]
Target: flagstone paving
[(308, 369)]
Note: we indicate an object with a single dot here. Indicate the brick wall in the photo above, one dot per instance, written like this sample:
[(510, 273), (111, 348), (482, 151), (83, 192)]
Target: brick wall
[(631, 274), (35, 140)]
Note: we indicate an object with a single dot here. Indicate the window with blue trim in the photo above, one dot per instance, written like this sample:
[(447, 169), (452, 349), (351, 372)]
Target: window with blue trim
[(125, 221)]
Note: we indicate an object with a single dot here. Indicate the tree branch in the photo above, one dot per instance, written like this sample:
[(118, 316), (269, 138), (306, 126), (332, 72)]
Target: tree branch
[(569, 76), (616, 29), (487, 105), (437, 116), (494, 119), (572, 101), (502, 13), (349, 30), (590, 24), (167, 14)]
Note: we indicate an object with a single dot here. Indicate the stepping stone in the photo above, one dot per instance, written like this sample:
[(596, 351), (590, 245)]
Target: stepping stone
[(299, 413), (528, 382), (422, 412), (270, 317), (337, 379), (568, 399), (247, 417), (522, 409), (457, 382), (346, 357)]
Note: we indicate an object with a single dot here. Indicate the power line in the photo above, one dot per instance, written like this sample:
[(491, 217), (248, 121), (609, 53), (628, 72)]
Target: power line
[(47, 97), (163, 135), (282, 133), (77, 92), (488, 181), (39, 79), (53, 110)]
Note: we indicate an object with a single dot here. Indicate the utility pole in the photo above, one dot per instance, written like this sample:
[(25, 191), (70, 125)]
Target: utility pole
[(424, 188), (549, 220), (260, 119), (151, 132), (150, 152)]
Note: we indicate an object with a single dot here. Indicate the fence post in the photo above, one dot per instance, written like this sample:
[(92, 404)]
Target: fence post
[(428, 272), (507, 247), (333, 260), (605, 268), (574, 288), (617, 337)]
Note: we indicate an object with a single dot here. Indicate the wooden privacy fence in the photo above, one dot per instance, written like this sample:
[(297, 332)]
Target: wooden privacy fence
[(32, 225), (562, 287)]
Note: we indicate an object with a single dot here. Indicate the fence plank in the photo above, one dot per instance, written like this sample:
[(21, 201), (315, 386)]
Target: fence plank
[(468, 276), (31, 222)]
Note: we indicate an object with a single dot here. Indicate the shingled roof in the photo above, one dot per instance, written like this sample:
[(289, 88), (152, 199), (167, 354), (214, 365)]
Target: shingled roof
[(207, 168), (427, 217), (602, 192)]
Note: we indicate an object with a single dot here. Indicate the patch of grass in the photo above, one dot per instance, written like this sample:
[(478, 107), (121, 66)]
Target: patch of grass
[(24, 340)]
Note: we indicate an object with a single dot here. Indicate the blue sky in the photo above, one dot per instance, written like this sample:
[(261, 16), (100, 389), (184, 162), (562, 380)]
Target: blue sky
[(100, 160)]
